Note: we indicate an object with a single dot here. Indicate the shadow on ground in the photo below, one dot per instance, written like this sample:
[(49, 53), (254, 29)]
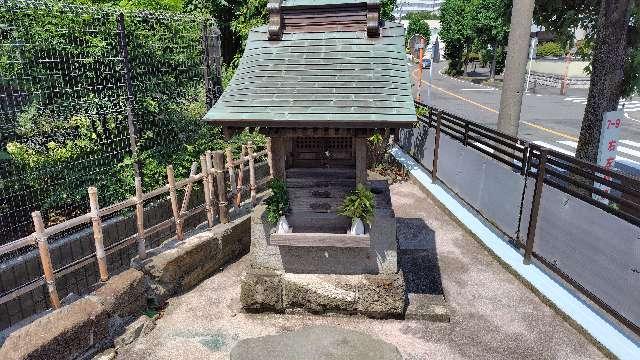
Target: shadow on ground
[(418, 258)]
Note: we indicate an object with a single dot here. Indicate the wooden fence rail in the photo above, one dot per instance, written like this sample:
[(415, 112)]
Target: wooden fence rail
[(216, 199)]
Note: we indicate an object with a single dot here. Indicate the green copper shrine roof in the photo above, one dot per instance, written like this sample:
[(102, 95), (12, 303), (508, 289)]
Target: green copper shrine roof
[(320, 79)]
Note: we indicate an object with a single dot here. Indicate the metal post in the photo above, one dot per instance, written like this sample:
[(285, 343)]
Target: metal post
[(535, 207), (208, 89), (524, 165), (420, 67), (218, 166), (97, 234), (45, 258), (465, 139), (436, 148), (174, 202), (124, 54)]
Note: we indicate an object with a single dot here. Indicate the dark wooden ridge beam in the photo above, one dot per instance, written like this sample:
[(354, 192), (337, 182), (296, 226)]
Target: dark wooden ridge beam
[(274, 7), (373, 19), (320, 16)]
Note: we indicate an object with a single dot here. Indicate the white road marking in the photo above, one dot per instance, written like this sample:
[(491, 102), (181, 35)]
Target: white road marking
[(482, 89), (552, 147), (622, 149), (630, 143)]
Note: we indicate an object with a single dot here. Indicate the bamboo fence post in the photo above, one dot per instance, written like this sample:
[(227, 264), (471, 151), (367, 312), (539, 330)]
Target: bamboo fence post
[(212, 174), (174, 202), (269, 157), (232, 173), (252, 173), (188, 189), (218, 166), (240, 175), (142, 250), (45, 258), (97, 234), (206, 190)]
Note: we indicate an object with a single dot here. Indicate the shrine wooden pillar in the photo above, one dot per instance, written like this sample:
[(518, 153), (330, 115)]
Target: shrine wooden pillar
[(278, 148), (360, 145)]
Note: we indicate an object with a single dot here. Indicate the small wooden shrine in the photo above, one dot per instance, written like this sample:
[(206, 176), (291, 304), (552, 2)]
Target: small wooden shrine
[(320, 79)]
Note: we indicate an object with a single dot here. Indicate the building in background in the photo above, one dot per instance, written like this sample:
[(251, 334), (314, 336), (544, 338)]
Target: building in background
[(406, 6)]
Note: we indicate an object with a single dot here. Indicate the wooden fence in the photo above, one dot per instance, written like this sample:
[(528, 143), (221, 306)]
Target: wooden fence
[(214, 168)]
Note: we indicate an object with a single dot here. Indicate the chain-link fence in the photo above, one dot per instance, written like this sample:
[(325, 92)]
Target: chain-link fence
[(88, 97)]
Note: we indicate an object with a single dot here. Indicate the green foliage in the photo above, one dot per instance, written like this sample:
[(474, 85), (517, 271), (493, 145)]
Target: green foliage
[(420, 27), (584, 14), (422, 15), (456, 21), (278, 202), (550, 49), (386, 9), (360, 204), (67, 143), (422, 111), (473, 26)]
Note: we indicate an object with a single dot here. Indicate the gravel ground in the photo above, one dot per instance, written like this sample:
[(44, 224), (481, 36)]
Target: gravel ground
[(493, 315)]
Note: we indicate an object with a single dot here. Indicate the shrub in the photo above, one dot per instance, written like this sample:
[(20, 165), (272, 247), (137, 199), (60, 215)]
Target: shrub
[(278, 202), (551, 49), (360, 204)]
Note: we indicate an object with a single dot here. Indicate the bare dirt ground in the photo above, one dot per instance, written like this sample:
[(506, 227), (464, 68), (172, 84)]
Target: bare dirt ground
[(493, 315)]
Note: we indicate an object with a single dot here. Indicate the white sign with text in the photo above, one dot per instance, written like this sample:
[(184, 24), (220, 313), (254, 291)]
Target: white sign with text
[(608, 147)]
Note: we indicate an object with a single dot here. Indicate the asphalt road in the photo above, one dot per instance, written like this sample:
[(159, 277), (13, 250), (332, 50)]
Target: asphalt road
[(547, 118)]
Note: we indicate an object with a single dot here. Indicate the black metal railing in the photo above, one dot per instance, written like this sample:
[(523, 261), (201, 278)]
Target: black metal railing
[(609, 190)]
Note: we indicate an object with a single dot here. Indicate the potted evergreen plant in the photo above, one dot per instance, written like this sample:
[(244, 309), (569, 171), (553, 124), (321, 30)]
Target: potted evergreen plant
[(359, 206), (278, 205)]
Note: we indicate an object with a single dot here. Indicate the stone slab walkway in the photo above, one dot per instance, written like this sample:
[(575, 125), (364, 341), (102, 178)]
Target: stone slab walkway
[(493, 315)]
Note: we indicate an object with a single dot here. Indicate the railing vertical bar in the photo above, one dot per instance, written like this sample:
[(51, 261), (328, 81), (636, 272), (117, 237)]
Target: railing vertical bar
[(535, 207), (436, 148)]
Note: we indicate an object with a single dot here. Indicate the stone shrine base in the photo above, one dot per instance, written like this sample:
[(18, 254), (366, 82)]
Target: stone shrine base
[(326, 279), (377, 296)]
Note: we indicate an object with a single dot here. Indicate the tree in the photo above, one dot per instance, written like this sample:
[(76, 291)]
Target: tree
[(386, 9), (615, 65), (422, 15), (607, 75), (418, 26), (491, 28), (456, 21)]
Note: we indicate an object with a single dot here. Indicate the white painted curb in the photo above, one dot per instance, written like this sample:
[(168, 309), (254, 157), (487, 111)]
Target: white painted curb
[(601, 330)]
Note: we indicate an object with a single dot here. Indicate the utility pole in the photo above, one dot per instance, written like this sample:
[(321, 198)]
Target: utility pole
[(516, 67)]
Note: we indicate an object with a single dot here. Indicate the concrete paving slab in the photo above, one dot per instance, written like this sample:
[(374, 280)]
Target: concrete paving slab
[(315, 343), (493, 315)]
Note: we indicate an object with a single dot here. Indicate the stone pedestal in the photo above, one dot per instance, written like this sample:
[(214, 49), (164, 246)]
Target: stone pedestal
[(322, 279)]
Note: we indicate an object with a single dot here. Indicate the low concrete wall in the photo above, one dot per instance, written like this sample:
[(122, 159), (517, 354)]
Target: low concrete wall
[(559, 66), (91, 324)]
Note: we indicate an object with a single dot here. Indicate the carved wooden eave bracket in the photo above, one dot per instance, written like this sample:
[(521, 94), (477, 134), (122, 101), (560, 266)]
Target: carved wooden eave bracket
[(373, 19), (274, 7)]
